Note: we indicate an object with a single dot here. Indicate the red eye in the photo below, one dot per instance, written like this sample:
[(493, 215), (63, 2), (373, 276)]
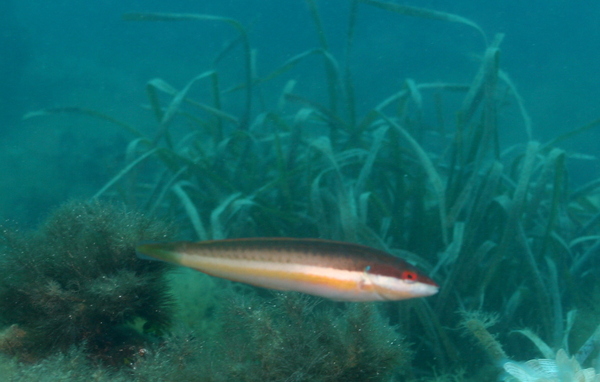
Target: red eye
[(409, 276)]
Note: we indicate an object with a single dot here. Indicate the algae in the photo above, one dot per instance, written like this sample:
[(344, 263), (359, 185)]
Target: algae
[(76, 282)]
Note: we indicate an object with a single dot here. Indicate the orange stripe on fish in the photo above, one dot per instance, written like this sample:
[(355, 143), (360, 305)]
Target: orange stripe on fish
[(336, 270)]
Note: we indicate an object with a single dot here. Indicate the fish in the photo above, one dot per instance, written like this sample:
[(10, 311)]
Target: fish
[(335, 270)]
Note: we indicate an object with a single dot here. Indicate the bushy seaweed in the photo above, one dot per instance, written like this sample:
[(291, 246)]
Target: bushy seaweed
[(292, 337), (289, 337), (77, 281)]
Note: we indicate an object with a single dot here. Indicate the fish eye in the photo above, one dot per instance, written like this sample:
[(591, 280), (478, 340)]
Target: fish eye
[(409, 276)]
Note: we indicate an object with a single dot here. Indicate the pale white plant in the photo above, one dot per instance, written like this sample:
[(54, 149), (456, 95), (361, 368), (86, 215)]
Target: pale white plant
[(560, 369), (555, 367)]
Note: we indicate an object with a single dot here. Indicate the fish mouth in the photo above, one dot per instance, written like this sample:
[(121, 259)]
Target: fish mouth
[(416, 290), (423, 290), (428, 289)]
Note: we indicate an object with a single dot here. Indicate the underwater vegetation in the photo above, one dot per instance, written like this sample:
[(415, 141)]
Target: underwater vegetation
[(556, 366), (291, 337), (76, 282), (423, 175)]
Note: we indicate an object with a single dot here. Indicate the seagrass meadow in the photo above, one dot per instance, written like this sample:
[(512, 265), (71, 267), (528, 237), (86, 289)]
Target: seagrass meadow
[(423, 174)]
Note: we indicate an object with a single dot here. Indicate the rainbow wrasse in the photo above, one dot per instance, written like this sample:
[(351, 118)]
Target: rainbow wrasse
[(336, 270)]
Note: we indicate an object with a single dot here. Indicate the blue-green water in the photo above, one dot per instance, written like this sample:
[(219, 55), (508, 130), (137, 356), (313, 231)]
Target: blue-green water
[(447, 170), (63, 53)]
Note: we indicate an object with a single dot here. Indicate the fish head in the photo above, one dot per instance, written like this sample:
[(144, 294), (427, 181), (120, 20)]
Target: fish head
[(392, 283)]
